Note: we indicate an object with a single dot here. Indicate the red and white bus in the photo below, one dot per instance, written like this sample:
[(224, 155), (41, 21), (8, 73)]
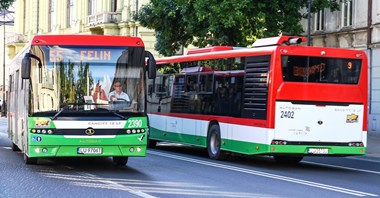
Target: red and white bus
[(278, 98)]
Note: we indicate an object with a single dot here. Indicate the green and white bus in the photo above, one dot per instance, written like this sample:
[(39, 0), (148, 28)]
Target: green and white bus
[(59, 97)]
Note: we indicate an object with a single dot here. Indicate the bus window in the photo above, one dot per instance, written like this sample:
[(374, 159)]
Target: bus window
[(320, 69), (191, 83), (205, 83)]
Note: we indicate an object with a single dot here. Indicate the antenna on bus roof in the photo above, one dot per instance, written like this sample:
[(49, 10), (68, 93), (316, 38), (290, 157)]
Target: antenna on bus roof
[(280, 40)]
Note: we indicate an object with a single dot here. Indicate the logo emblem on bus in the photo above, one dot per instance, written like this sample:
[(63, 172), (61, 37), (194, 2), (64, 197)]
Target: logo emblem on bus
[(90, 131)]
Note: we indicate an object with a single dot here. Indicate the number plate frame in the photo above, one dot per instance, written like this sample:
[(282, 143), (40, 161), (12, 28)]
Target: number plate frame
[(318, 151), (89, 151)]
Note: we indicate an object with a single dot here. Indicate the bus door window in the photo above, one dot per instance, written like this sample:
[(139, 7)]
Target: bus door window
[(205, 92), (191, 83), (235, 94), (221, 84)]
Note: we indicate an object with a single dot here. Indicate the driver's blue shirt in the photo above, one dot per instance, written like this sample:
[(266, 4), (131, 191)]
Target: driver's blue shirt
[(122, 95)]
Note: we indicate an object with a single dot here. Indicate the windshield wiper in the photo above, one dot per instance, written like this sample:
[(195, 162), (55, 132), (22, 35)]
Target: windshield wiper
[(63, 108), (118, 115), (57, 114)]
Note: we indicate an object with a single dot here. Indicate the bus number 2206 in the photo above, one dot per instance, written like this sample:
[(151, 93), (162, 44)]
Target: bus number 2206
[(287, 114)]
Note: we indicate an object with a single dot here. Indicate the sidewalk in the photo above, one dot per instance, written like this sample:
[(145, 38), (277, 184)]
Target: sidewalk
[(373, 146)]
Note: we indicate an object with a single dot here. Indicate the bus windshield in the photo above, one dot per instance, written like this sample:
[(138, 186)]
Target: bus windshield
[(87, 79), (320, 69)]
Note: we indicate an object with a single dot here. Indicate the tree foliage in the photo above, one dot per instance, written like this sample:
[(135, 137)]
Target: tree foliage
[(5, 4), (223, 22)]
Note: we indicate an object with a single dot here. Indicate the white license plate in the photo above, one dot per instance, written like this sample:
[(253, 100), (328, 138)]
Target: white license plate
[(89, 150), (318, 151)]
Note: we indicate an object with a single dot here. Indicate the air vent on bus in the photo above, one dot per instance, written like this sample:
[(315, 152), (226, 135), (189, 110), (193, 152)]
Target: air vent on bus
[(280, 40), (255, 97)]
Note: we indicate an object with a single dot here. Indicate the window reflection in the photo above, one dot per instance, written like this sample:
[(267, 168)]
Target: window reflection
[(81, 79)]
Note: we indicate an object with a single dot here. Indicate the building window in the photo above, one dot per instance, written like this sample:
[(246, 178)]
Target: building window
[(51, 15), (91, 7), (347, 13), (113, 5), (70, 13), (319, 20)]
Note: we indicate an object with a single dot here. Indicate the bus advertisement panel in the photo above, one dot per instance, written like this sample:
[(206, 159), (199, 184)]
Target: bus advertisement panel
[(277, 99), (79, 95)]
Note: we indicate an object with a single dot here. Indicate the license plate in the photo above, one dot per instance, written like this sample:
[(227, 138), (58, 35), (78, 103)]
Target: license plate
[(89, 150), (318, 151)]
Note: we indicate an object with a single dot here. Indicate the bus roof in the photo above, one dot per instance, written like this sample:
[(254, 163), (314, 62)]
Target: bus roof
[(286, 45), (89, 40), (214, 55), (257, 51)]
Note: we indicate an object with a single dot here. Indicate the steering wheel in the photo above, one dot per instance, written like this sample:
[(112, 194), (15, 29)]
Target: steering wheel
[(121, 100)]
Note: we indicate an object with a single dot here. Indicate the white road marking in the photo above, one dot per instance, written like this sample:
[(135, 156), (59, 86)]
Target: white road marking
[(268, 175), (83, 176), (341, 167)]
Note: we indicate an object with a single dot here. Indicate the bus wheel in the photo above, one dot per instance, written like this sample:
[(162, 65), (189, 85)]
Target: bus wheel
[(120, 161), (30, 160), (15, 147), (288, 159), (214, 144), (152, 143)]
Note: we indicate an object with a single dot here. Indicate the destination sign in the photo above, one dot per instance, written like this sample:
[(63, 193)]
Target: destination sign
[(58, 54)]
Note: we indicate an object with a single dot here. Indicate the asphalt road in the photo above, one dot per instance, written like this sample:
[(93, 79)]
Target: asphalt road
[(174, 170)]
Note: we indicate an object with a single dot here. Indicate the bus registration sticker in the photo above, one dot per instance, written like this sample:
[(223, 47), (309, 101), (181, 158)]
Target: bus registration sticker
[(318, 151), (89, 151)]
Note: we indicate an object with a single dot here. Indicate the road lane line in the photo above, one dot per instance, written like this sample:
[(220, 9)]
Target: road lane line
[(119, 186), (268, 175), (341, 167), (82, 177)]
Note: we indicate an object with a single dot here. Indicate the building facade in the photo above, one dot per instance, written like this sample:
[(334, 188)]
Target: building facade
[(355, 26), (101, 17), (6, 33)]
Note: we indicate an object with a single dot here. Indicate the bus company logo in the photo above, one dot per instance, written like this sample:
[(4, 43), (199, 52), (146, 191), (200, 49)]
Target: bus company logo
[(42, 123), (352, 118), (36, 138), (89, 131)]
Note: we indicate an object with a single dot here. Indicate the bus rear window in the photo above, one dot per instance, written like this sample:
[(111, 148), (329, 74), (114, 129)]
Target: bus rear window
[(320, 69)]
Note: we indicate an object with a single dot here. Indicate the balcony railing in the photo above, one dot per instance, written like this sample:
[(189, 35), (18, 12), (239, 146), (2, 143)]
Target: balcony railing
[(105, 17), (15, 38)]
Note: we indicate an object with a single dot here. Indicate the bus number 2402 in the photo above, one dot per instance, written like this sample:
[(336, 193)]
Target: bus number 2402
[(287, 114)]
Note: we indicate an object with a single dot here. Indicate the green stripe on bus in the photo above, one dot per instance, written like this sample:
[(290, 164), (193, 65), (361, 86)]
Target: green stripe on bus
[(251, 148)]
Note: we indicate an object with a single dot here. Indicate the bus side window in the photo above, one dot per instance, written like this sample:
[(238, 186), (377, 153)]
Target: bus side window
[(191, 83)]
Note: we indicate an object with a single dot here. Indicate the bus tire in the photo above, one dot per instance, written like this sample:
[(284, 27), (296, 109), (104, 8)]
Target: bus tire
[(30, 160), (214, 143), (287, 159), (152, 143), (15, 147), (120, 161)]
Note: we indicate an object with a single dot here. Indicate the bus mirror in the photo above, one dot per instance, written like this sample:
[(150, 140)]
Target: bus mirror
[(151, 65), (25, 66)]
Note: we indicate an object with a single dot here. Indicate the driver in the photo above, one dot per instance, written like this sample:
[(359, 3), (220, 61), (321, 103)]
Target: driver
[(117, 93)]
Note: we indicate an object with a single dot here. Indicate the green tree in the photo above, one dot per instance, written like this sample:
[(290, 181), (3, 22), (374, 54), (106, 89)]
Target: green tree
[(5, 4), (223, 22)]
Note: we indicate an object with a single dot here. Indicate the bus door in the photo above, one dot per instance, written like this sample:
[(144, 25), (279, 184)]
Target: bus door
[(17, 100), (174, 128)]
